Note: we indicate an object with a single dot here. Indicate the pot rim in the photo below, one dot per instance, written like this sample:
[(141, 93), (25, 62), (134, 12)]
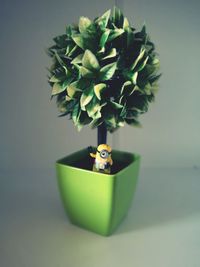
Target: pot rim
[(135, 155)]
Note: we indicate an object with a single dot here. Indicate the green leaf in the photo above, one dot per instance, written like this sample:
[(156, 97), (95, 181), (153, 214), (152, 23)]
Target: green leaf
[(61, 75), (57, 89), (112, 53), (59, 59), (85, 73), (128, 88), (97, 115), (67, 50), (61, 40), (102, 50), (72, 90), (93, 107), (133, 122), (129, 37), (130, 75), (103, 20), (150, 69), (114, 34), (66, 82), (84, 24), (120, 124), (90, 61), (124, 87), (70, 104), (155, 61), (77, 60), (54, 79), (117, 17), (136, 88), (111, 121), (76, 113), (79, 126), (148, 88), (141, 65), (84, 119), (116, 105), (79, 41), (62, 105), (143, 31), (154, 88), (125, 24), (123, 111), (153, 79), (95, 123), (107, 71), (71, 48), (98, 89), (134, 77), (122, 100), (83, 83), (67, 72), (131, 114), (73, 51), (68, 98), (140, 56), (69, 30), (87, 28), (104, 38), (86, 97)]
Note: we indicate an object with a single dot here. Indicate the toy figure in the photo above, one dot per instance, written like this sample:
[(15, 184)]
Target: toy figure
[(103, 160)]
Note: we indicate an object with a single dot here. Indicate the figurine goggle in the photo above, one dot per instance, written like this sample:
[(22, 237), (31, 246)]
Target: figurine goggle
[(103, 160), (104, 154)]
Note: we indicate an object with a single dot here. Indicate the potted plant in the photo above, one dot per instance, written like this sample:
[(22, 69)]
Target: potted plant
[(104, 74)]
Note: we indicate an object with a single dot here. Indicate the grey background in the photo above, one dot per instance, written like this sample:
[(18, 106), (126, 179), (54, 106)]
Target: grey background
[(31, 134), (162, 227)]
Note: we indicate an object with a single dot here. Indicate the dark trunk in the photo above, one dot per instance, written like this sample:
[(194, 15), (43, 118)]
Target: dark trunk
[(102, 134)]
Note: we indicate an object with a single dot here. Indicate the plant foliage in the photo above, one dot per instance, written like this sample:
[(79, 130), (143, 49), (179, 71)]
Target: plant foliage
[(103, 71)]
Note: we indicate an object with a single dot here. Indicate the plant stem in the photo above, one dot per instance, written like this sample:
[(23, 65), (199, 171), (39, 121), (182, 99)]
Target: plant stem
[(102, 134)]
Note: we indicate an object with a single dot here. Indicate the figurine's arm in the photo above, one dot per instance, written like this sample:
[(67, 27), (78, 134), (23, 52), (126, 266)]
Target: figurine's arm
[(92, 155), (111, 162)]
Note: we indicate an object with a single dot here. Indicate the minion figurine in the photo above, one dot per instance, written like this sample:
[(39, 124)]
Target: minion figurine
[(103, 160)]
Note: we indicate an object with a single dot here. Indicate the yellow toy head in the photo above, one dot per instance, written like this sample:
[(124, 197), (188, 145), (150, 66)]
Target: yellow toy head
[(103, 160), (103, 152)]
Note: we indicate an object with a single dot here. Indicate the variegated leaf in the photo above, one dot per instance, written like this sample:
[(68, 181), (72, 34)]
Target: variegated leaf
[(103, 20), (98, 88), (90, 61), (104, 38), (84, 23), (107, 71), (86, 97), (77, 60), (140, 56), (114, 34), (57, 89), (112, 53)]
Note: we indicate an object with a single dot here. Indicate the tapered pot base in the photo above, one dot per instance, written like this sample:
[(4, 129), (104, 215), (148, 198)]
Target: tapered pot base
[(95, 201)]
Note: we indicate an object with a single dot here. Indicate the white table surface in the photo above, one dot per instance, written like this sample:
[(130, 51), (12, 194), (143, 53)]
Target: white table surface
[(162, 228)]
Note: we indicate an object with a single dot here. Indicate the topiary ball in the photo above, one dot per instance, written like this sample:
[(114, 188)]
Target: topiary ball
[(103, 71)]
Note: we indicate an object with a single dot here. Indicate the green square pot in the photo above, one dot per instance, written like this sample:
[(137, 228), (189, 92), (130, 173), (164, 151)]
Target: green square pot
[(95, 201)]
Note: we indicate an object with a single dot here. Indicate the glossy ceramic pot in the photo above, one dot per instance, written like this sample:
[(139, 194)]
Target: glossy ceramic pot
[(95, 201)]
